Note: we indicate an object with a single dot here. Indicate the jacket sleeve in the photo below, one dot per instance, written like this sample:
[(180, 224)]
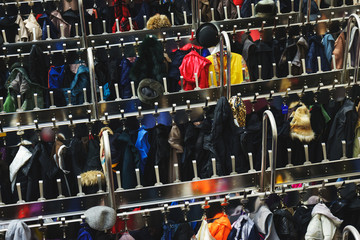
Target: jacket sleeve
[(314, 229), (328, 228)]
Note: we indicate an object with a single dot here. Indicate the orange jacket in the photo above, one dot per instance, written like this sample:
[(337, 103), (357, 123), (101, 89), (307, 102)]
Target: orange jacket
[(221, 227)]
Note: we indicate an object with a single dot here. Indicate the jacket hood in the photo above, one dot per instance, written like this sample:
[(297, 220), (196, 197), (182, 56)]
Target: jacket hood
[(322, 209)]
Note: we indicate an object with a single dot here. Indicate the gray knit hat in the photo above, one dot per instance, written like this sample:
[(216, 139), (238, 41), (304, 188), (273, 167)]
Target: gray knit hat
[(18, 230), (100, 218)]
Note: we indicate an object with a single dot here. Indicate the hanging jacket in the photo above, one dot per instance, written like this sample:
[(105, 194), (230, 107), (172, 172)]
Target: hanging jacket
[(343, 128), (158, 155), (194, 63), (125, 158), (80, 81), (284, 224), (23, 31), (316, 49), (125, 82), (263, 219), (222, 133), (204, 233), (323, 224), (231, 9), (57, 19), (176, 148), (236, 69), (302, 50), (56, 77), (221, 227), (19, 82), (30, 24), (243, 228), (338, 51), (150, 63), (71, 17), (38, 66), (205, 8), (142, 144), (328, 42), (174, 71)]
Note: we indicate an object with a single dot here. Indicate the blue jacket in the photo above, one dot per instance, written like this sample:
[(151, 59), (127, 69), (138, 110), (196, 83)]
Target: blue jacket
[(328, 42), (80, 81), (316, 49)]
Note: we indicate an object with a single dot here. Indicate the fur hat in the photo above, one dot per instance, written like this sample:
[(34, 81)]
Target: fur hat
[(149, 90), (158, 21), (300, 125), (89, 178), (100, 218)]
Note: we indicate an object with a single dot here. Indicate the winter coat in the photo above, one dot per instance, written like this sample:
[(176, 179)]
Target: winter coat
[(194, 63), (284, 224), (323, 224), (57, 19), (328, 42), (338, 51)]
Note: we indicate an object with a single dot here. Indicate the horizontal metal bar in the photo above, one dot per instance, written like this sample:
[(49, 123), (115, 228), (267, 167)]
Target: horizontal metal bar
[(52, 207), (25, 47)]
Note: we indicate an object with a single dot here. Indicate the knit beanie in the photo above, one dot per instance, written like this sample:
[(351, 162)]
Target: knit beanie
[(17, 229), (100, 218), (301, 126)]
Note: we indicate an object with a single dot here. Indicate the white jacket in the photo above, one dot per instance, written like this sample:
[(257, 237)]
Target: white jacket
[(323, 224)]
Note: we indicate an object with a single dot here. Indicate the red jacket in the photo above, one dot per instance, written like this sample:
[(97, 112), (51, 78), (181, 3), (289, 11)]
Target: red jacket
[(194, 63)]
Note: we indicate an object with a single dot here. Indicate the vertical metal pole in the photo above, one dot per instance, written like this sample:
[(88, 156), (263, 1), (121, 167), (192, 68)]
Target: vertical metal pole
[(308, 10), (268, 115), (228, 59), (95, 112), (221, 73), (83, 38), (195, 14), (108, 173)]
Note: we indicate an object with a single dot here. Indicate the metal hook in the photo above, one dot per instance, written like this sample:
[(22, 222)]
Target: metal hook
[(205, 207), (165, 212), (185, 209)]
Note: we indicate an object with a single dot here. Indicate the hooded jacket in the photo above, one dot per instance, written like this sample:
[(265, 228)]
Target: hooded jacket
[(19, 83), (323, 224)]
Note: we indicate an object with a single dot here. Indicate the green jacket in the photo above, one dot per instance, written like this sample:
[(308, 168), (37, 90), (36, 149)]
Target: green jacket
[(18, 83)]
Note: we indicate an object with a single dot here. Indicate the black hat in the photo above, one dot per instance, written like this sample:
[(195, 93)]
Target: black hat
[(265, 8), (207, 35), (149, 90)]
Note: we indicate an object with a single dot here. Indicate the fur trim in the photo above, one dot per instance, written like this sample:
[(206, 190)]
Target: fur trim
[(301, 126), (89, 178), (158, 21)]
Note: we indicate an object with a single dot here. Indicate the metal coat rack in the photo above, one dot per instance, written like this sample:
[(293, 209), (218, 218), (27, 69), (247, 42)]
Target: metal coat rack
[(195, 100)]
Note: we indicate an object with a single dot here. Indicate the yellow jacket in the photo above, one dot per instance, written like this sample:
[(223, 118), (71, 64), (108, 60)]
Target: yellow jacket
[(237, 65)]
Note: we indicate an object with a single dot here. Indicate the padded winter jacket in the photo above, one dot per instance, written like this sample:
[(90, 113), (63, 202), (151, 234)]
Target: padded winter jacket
[(221, 227)]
